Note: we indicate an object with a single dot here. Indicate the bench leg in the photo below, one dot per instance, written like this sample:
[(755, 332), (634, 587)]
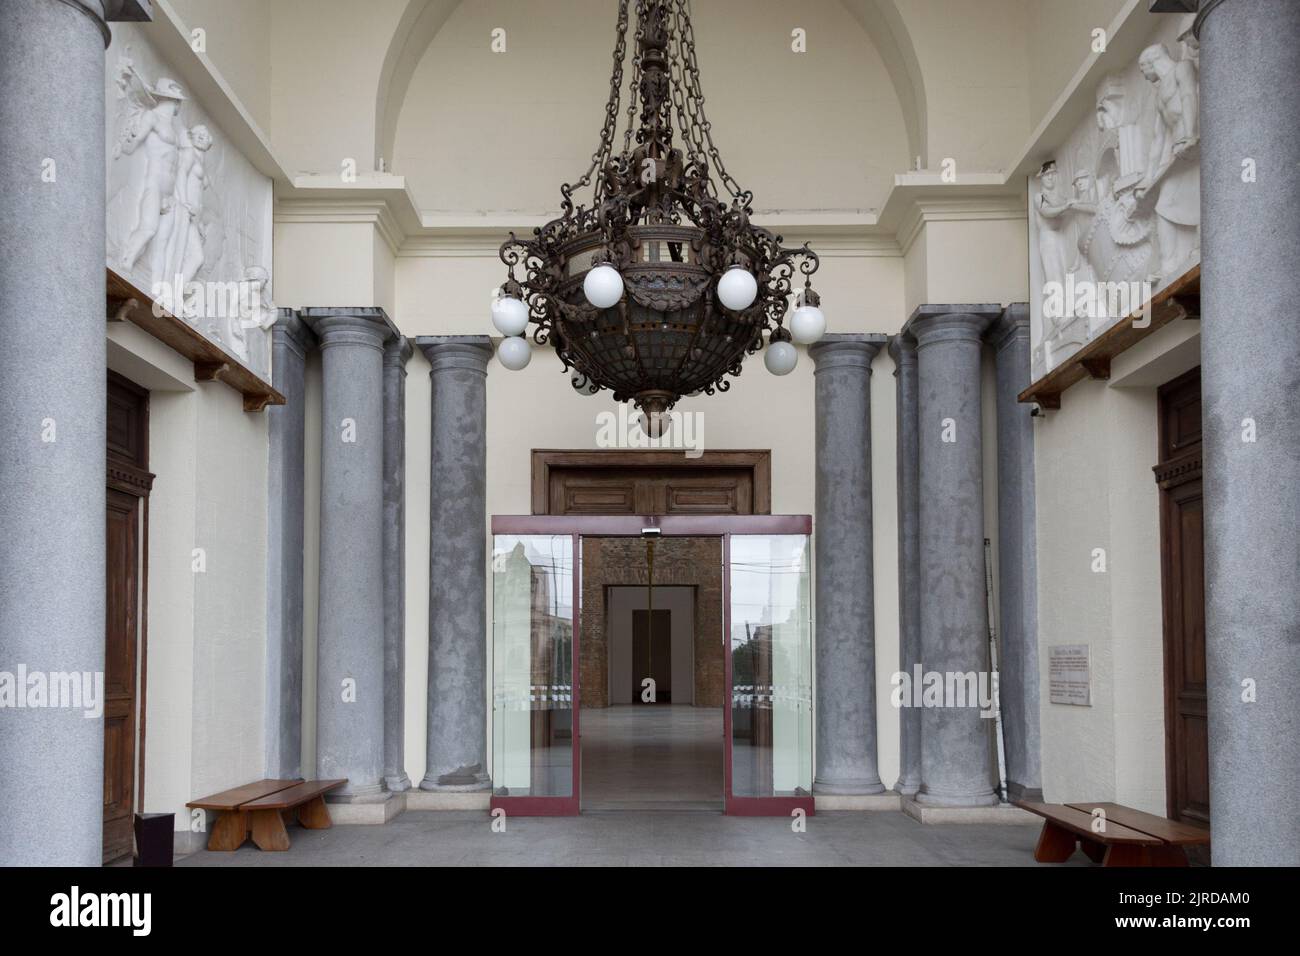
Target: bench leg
[(230, 831), (1095, 851), (1055, 844), (268, 830), (315, 815), (1168, 855), (1125, 854)]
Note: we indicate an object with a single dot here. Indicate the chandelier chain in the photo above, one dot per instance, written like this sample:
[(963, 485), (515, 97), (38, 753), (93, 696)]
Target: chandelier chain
[(609, 129)]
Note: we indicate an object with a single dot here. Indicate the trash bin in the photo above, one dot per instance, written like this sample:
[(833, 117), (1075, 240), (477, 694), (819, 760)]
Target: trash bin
[(154, 838)]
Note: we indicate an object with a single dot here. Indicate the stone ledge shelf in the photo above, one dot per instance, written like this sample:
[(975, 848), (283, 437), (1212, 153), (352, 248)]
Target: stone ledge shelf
[(1181, 299), (126, 303)]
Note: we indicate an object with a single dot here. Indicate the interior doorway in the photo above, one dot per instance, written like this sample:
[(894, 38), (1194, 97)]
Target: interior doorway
[(655, 743)]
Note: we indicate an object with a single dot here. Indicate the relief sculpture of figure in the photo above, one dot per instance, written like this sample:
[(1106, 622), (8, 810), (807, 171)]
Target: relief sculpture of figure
[(1050, 208), (1172, 172), (1116, 246), (248, 332), (185, 256), (152, 126)]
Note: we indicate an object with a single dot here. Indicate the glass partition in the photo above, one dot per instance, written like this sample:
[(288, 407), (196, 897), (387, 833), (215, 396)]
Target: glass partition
[(770, 640), (533, 646)]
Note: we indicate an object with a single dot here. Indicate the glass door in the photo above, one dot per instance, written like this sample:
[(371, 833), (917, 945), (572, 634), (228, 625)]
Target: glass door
[(766, 639), (534, 674), (768, 624)]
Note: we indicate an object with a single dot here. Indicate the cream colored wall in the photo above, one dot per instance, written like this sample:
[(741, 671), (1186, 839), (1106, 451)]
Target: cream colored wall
[(327, 56), (237, 34), (205, 694), (1095, 490), (1059, 40), (973, 57)]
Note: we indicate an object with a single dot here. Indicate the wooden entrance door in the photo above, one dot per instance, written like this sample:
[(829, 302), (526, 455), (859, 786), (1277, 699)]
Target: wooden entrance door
[(128, 481), (615, 482), (1187, 761)]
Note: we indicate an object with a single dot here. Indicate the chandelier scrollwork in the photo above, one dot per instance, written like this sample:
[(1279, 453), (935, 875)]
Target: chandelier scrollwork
[(659, 284)]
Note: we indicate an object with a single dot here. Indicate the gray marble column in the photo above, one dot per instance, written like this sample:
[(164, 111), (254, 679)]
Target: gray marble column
[(458, 563), (902, 348), (1017, 558), (396, 353), (286, 467), (53, 401), (350, 621), (956, 759), (845, 585), (1250, 354)]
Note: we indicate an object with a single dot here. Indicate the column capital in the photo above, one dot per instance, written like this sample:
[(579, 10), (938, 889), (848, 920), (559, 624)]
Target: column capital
[(360, 325), (1204, 10), (1011, 325), (397, 350), (846, 350), (444, 352), (902, 349), (103, 12), (290, 330), (929, 324)]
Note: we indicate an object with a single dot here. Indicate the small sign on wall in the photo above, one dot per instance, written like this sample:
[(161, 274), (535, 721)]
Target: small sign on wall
[(1068, 674)]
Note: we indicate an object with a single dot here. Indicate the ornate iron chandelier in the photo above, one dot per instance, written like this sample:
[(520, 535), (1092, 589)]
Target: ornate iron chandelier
[(659, 285)]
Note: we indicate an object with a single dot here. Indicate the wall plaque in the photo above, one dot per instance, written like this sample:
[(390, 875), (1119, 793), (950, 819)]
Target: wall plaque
[(1069, 679)]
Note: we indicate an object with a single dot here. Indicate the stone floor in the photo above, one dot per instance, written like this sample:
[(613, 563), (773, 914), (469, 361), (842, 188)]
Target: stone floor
[(641, 838), (662, 757), (651, 796)]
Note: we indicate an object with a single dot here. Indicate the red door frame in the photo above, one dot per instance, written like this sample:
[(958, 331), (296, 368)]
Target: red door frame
[(612, 526)]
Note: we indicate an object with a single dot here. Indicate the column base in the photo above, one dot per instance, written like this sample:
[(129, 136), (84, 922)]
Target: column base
[(348, 793), (366, 812), (908, 788), (997, 813), (1019, 792), (397, 783), (888, 800), (462, 780), (859, 787), (930, 798)]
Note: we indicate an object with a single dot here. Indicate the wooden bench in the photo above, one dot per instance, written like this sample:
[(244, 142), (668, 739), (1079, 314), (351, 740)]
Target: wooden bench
[(1129, 837), (263, 809)]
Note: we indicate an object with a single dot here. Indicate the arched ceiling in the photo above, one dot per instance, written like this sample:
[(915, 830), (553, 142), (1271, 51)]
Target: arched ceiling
[(420, 23), (422, 19)]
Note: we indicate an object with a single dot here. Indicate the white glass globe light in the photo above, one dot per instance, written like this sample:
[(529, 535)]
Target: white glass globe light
[(737, 289), (807, 324), (514, 353), (509, 315), (780, 358), (603, 286)]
